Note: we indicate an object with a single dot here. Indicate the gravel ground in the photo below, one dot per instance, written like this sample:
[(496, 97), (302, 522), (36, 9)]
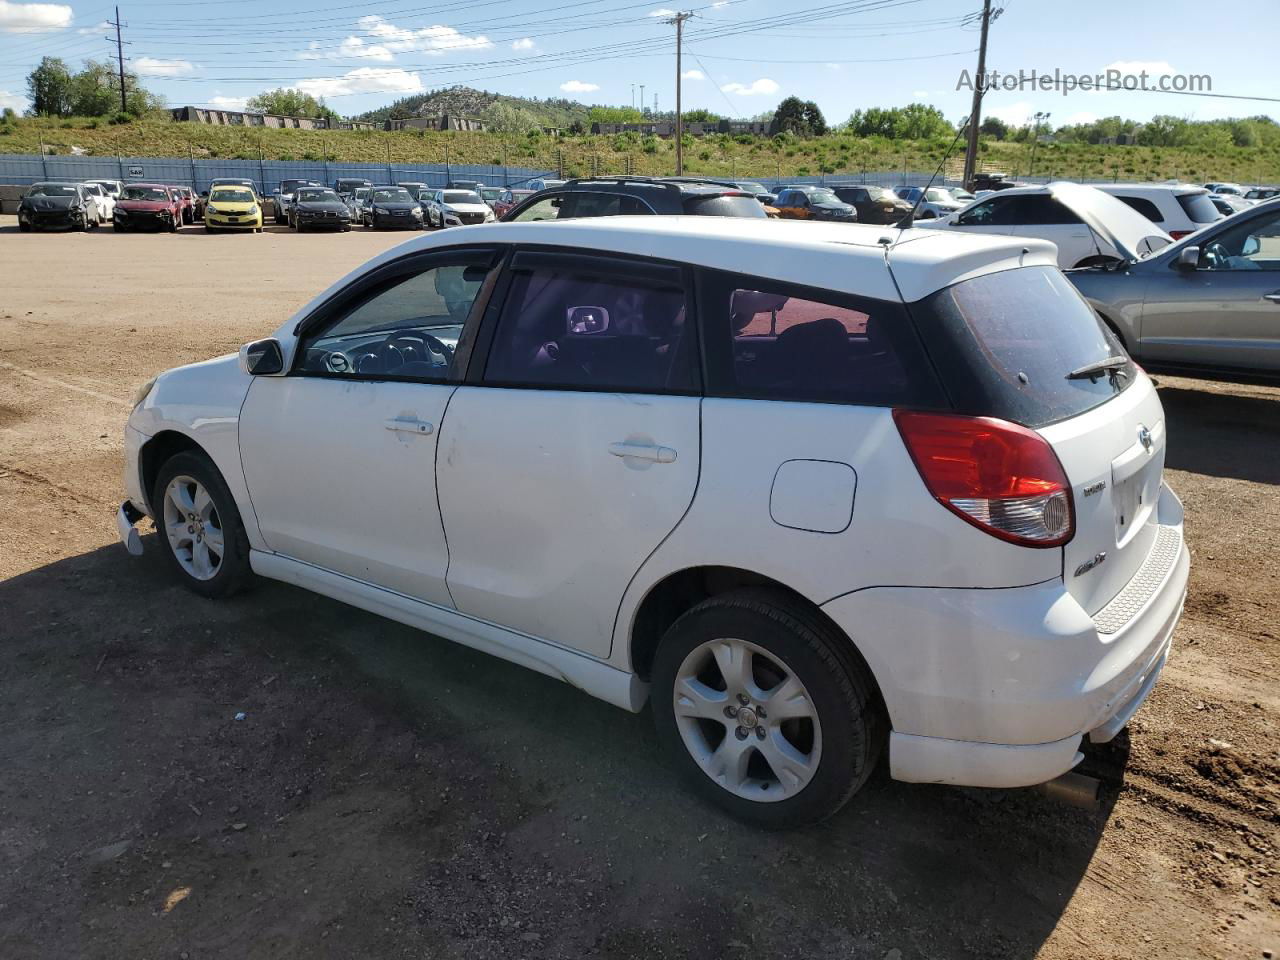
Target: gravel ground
[(388, 794)]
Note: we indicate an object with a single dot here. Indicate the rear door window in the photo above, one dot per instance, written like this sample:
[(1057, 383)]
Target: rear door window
[(725, 206), (1198, 207), (766, 340), (1014, 345), (602, 205), (1143, 206), (1038, 211)]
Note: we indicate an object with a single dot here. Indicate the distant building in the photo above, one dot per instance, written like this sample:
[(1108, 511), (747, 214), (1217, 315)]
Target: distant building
[(240, 118), (445, 121)]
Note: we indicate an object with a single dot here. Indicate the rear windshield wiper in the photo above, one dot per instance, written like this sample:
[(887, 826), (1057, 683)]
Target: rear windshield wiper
[(1112, 366)]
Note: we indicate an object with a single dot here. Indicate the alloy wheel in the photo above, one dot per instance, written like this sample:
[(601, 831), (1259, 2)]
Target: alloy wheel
[(193, 527), (747, 720)]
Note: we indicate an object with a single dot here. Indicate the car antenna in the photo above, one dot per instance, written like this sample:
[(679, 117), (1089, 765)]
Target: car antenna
[(906, 222)]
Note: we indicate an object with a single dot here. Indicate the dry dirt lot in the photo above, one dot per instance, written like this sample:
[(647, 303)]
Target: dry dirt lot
[(391, 795)]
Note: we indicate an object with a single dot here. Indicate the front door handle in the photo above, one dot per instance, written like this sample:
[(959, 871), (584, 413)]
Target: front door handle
[(1273, 297), (643, 451), (409, 425)]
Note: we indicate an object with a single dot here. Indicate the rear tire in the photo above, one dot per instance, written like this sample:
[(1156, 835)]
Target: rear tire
[(826, 730), (190, 484), (24, 227)]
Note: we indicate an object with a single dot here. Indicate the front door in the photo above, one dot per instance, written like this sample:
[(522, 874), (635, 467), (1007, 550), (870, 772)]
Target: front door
[(575, 451), (1226, 313), (339, 455)]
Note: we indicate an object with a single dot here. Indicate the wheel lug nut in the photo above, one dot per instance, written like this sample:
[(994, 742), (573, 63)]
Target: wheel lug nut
[(730, 711), (760, 713), (759, 733), (742, 699), (741, 733)]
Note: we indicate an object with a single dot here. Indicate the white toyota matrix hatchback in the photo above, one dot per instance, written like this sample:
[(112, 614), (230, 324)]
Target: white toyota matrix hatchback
[(812, 490)]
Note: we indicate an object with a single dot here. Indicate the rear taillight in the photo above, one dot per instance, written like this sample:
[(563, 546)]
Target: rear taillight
[(1001, 477), (1179, 234)]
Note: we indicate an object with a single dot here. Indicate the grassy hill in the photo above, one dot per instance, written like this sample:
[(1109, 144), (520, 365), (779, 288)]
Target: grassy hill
[(468, 102), (744, 156)]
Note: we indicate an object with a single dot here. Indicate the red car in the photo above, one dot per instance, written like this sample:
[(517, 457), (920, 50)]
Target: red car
[(508, 200), (188, 203), (150, 205)]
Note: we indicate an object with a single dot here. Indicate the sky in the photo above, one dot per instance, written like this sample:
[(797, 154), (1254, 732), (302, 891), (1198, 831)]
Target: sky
[(741, 57)]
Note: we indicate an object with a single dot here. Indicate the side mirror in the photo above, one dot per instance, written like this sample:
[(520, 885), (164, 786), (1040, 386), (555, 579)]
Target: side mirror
[(1189, 258), (262, 358), (1251, 246)]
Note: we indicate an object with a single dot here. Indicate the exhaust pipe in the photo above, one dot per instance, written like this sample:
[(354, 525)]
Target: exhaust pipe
[(1075, 789)]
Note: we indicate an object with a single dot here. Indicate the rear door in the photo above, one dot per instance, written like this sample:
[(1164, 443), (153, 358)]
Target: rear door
[(1016, 345), (1226, 313), (573, 449), (1043, 217)]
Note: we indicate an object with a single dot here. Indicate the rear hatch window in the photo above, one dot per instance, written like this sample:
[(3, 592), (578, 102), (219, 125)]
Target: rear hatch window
[(1199, 207), (724, 205), (1021, 345)]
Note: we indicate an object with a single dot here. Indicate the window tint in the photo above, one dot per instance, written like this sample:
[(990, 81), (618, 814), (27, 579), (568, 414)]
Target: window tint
[(1252, 245), (1198, 207), (407, 328), (739, 206), (548, 208), (589, 328), (990, 213), (602, 205), (1143, 206), (1005, 342), (771, 341), (1038, 211)]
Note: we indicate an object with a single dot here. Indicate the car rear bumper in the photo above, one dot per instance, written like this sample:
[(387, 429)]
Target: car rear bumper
[(998, 688)]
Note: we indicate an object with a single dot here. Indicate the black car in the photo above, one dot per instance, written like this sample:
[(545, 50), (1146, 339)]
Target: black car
[(319, 208), (56, 204), (347, 186), (622, 196), (808, 201), (392, 208), (874, 204)]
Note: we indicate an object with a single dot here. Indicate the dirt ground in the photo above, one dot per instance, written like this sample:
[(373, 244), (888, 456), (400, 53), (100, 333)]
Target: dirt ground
[(388, 794)]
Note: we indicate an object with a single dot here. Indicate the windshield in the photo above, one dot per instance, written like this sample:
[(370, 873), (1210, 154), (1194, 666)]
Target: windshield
[(491, 193), (146, 193), (317, 196), (964, 196), (461, 196), (51, 190), (397, 195), (231, 195), (880, 193), (752, 187), (938, 195), (823, 196), (1198, 207), (363, 192), (92, 188), (289, 186), (1005, 342)]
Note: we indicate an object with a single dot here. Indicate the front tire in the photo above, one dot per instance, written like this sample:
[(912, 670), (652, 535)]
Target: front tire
[(767, 711), (200, 531)]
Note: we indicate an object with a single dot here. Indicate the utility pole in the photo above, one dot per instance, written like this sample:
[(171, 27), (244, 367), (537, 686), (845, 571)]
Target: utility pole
[(975, 114), (642, 99), (1035, 139), (679, 20), (124, 104)]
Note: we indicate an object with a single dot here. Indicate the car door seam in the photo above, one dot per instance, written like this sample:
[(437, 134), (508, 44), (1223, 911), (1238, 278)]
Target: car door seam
[(435, 471)]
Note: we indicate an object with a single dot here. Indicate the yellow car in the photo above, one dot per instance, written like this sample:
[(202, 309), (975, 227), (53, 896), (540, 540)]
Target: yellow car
[(232, 207)]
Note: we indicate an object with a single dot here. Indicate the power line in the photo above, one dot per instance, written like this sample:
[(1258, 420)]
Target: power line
[(124, 103)]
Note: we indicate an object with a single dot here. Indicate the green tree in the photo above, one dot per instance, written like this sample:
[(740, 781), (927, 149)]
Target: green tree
[(919, 121), (994, 127), (95, 92), (815, 123), (49, 87), (614, 115), (505, 118), (801, 117), (290, 102), (701, 116)]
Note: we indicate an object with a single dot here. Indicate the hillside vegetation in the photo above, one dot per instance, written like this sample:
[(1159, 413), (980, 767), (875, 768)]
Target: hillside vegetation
[(743, 156)]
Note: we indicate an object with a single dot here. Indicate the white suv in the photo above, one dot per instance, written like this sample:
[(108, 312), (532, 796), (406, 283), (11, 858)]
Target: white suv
[(809, 493), (1179, 208)]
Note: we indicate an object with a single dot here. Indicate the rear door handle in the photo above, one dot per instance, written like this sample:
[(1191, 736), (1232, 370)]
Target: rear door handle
[(643, 451), (399, 425)]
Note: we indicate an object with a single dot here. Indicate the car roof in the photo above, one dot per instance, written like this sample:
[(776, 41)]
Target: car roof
[(1151, 189), (158, 186), (835, 256), (56, 183)]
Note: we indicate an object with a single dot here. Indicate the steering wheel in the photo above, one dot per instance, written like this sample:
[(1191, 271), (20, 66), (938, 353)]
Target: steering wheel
[(435, 343), (1214, 255)]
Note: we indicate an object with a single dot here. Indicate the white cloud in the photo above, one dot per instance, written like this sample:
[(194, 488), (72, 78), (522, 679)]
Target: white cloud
[(434, 40), (33, 17), (364, 80), (524, 43), (14, 101), (761, 87), (664, 12), (720, 3), (694, 75), (152, 67), (352, 48), (97, 28), (577, 86), (229, 103), (1014, 114)]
